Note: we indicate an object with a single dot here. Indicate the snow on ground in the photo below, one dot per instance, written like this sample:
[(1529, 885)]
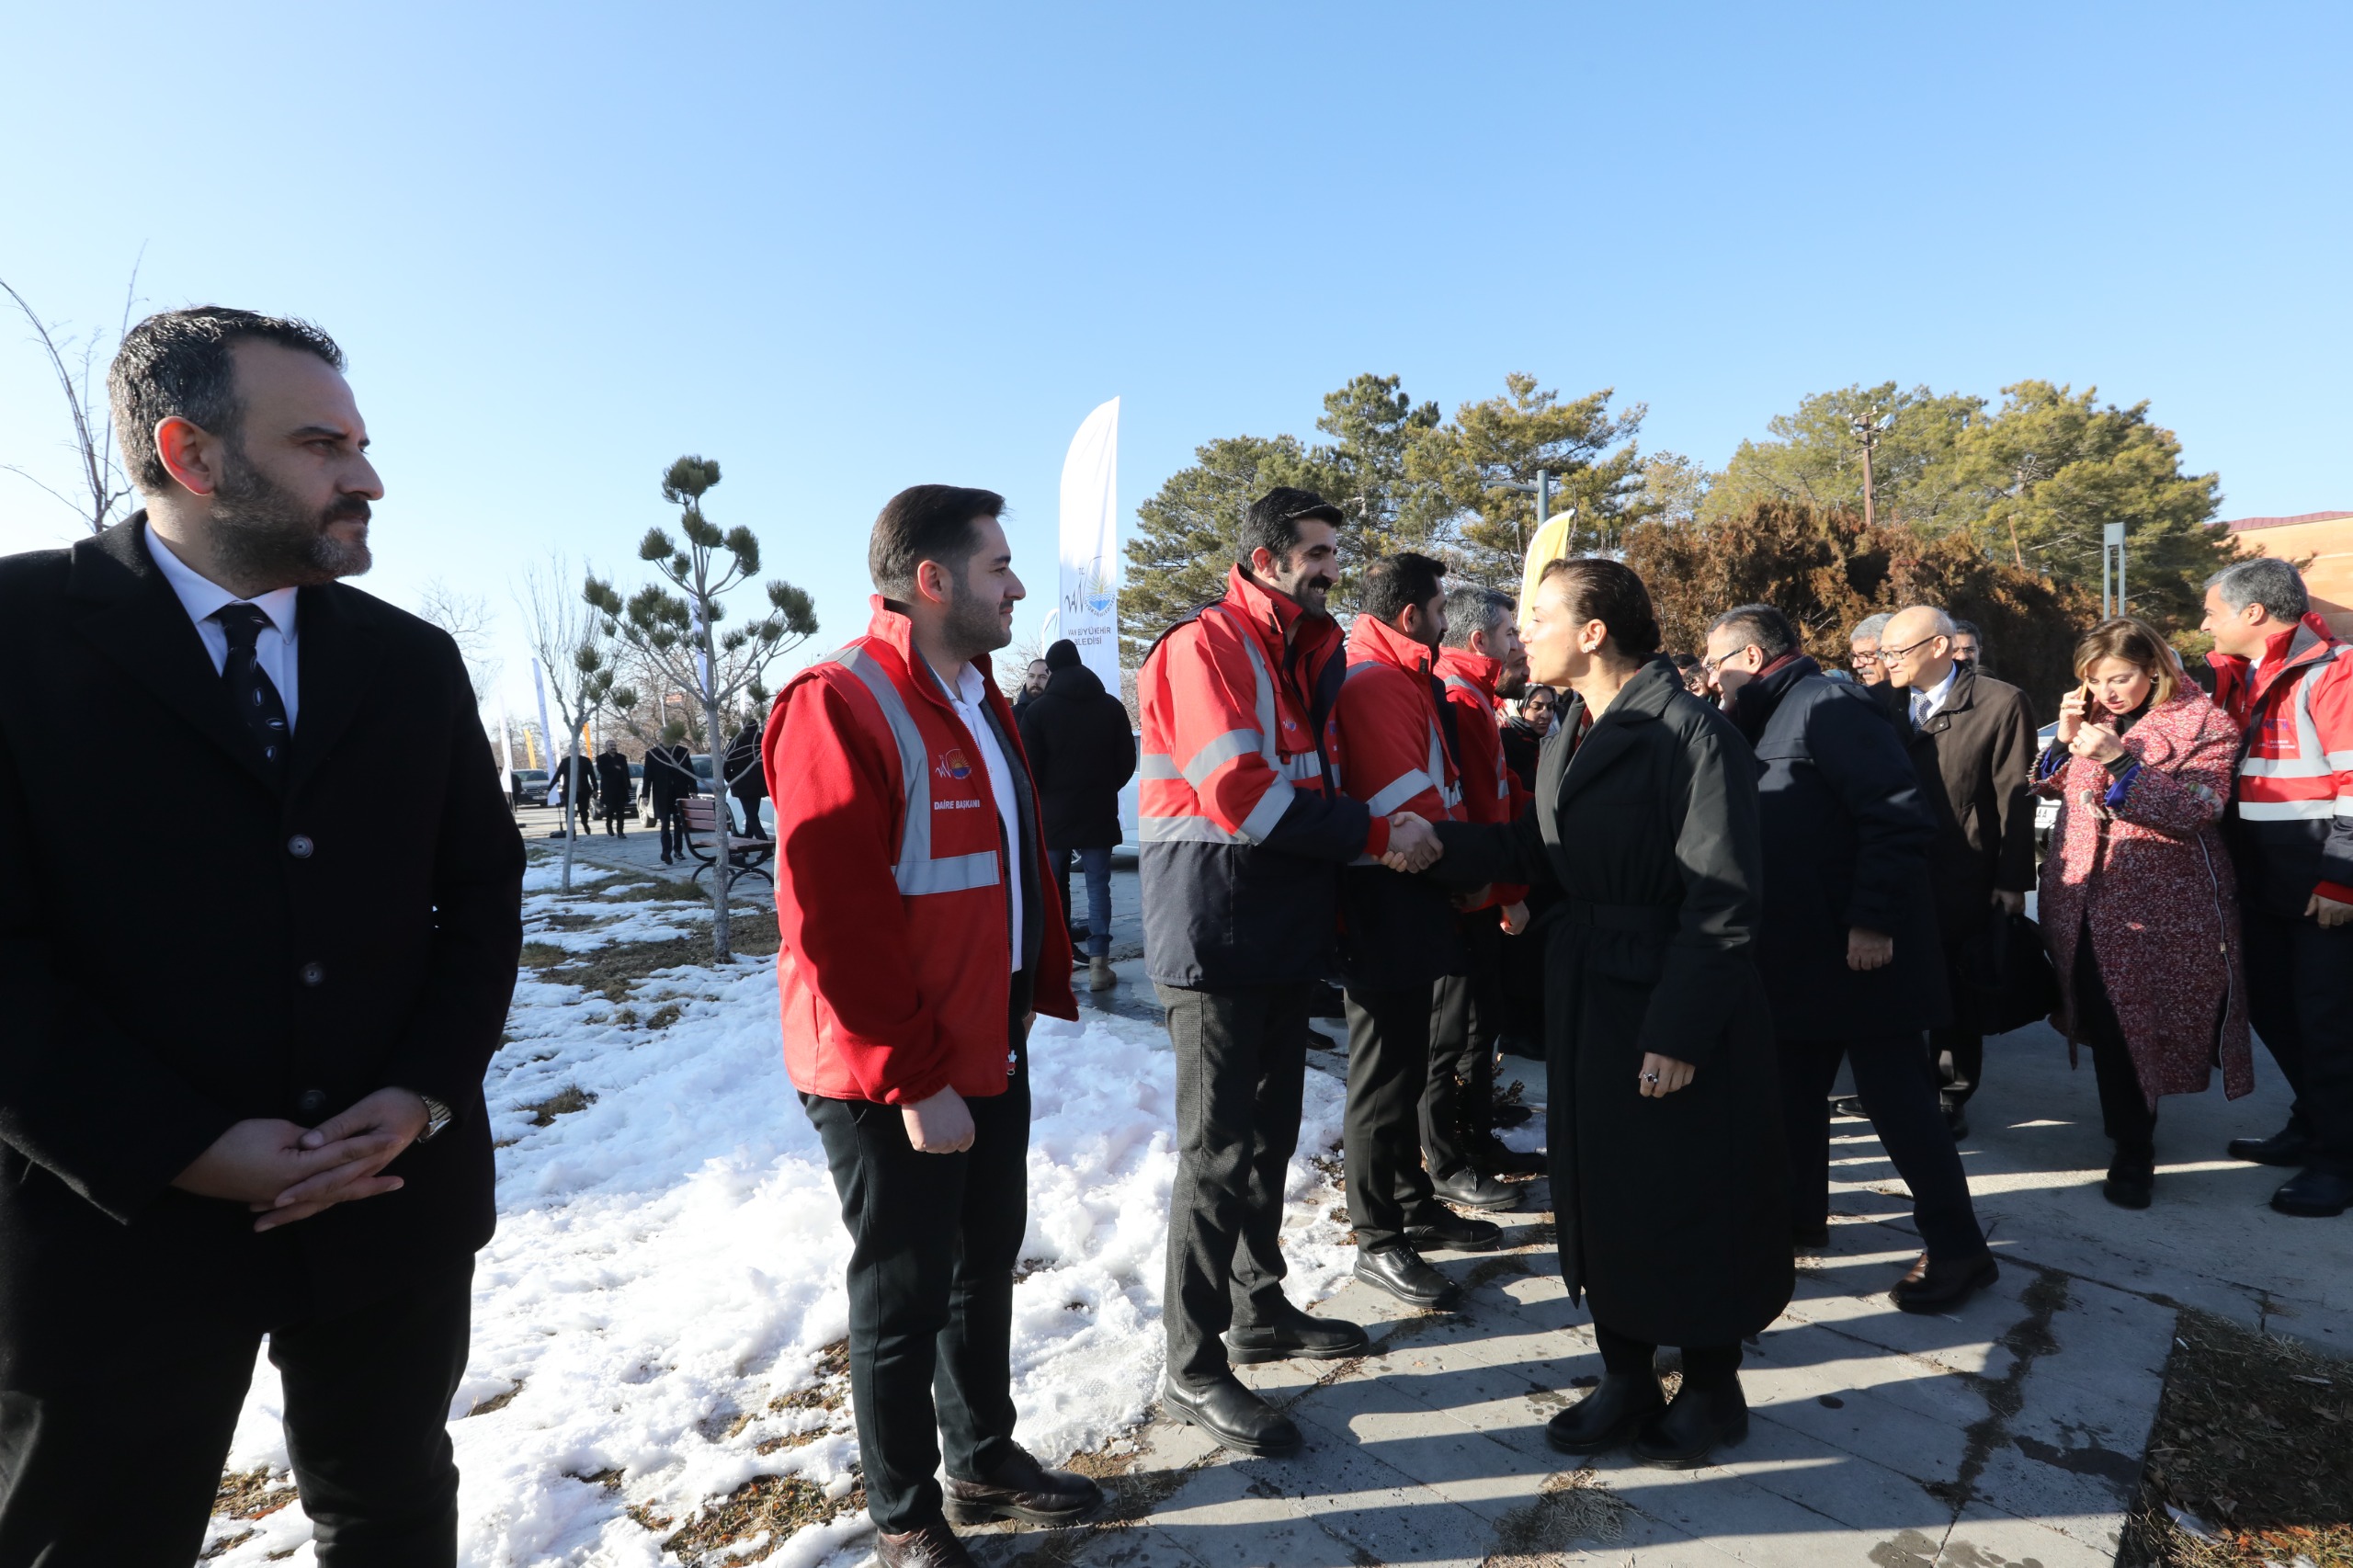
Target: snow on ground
[(668, 1264)]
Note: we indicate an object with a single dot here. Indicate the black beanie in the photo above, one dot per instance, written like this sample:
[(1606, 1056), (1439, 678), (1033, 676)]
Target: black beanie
[(1062, 655)]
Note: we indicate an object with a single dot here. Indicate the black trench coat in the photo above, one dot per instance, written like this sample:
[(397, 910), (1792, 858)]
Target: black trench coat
[(1671, 1212)]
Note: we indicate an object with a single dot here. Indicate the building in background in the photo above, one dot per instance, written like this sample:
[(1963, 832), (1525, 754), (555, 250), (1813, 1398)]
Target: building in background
[(2327, 539)]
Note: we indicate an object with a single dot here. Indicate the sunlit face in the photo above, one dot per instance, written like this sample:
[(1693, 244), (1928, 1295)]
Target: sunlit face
[(2240, 633), (1306, 573), (1732, 661), (2119, 686), (1537, 708), (1560, 647)]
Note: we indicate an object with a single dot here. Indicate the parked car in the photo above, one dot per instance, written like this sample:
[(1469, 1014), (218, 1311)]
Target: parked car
[(2046, 811), (703, 770), (531, 786)]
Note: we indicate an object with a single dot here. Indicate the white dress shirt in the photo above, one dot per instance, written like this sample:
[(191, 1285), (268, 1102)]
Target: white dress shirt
[(202, 599), (969, 698), (1925, 703)]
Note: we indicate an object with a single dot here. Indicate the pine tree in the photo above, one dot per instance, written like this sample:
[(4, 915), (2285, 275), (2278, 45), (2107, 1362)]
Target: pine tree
[(677, 628)]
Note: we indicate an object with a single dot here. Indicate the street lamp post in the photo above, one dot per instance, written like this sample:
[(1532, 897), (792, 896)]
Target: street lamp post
[(1541, 490), (2111, 569)]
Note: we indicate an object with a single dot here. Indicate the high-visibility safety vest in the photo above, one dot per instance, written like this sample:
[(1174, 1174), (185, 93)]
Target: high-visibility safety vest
[(892, 976), (1490, 789), (1242, 825), (2291, 826)]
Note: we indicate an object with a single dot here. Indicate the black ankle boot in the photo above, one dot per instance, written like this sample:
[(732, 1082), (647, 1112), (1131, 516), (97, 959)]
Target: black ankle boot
[(1688, 1431), (1608, 1417), (2132, 1180)]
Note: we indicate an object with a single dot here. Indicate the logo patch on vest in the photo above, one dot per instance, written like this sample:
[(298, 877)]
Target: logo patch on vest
[(952, 765)]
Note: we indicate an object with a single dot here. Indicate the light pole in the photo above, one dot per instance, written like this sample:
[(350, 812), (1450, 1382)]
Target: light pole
[(1868, 430), (1542, 491), (2111, 569)]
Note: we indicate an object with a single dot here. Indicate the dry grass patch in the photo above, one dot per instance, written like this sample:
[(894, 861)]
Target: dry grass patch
[(564, 1102), (254, 1495), (829, 1389), (773, 1506), (2254, 1441)]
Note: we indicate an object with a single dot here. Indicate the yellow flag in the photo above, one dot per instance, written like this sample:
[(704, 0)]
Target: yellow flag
[(1549, 543)]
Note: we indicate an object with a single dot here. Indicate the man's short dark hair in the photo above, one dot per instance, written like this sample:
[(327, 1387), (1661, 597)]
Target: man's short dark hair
[(176, 365), (1762, 625), (1394, 582), (927, 522), (1469, 611), (1598, 588), (2263, 580), (1272, 522), (1062, 655)]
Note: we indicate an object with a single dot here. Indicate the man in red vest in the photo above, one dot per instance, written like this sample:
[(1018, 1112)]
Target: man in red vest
[(1400, 936), (918, 945), (1481, 659)]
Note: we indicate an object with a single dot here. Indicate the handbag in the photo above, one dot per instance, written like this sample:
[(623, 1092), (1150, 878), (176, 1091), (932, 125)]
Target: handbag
[(2012, 975)]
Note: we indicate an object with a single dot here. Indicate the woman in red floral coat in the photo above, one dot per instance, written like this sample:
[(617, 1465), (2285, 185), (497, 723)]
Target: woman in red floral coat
[(2138, 905)]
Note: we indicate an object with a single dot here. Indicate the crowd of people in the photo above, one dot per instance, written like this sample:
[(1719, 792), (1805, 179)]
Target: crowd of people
[(1695, 886)]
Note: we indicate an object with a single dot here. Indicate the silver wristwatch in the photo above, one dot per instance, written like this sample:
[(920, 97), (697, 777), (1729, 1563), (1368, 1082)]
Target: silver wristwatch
[(436, 1117)]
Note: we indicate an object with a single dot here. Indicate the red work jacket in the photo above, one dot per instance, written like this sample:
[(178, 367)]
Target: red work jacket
[(891, 886), (1491, 790)]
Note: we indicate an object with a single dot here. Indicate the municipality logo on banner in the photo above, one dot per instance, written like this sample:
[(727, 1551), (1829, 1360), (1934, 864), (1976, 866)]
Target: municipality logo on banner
[(1090, 600)]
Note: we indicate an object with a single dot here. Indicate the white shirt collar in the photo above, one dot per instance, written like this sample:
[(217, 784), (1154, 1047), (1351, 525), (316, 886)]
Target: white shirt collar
[(1933, 698), (202, 598)]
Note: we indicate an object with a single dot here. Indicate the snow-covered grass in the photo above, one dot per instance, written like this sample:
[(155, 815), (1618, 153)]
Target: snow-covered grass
[(669, 1262)]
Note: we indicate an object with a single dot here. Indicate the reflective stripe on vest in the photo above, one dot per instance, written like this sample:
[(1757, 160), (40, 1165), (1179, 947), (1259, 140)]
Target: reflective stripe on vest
[(2310, 761), (1222, 749), (1413, 780), (915, 870)]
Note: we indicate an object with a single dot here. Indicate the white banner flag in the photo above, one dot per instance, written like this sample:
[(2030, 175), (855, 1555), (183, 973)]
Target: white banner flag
[(1089, 608)]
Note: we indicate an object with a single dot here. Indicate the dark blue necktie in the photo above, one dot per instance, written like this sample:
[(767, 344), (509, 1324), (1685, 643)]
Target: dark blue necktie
[(251, 691)]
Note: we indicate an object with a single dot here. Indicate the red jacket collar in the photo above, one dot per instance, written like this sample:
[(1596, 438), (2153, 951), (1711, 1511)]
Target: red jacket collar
[(890, 625), (1370, 638), (2307, 642), (1476, 668), (1277, 617)]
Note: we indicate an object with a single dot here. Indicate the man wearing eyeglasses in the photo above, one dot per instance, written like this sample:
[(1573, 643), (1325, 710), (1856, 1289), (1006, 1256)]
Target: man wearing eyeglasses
[(1972, 745)]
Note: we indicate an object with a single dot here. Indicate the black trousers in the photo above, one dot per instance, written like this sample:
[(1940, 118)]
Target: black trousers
[(1466, 1014), (118, 1469), (672, 820), (934, 1239), (1899, 1095), (2123, 1104), (2299, 998), (1240, 1068), (1704, 1366), (1389, 1066)]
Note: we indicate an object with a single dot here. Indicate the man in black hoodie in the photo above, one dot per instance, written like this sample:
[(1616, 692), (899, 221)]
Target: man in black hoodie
[(1848, 946), (1081, 753)]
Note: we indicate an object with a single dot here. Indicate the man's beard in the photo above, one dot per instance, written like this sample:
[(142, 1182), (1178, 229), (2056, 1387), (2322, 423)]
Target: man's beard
[(1512, 686), (975, 625), (261, 532)]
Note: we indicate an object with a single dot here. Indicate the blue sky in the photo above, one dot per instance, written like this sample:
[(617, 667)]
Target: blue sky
[(849, 248)]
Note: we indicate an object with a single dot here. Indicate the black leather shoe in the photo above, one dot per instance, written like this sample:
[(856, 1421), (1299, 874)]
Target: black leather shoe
[(933, 1546), (1022, 1489), (1401, 1271), (2314, 1193), (1687, 1434), (1849, 1106), (1472, 1190), (1931, 1286), (1493, 1156), (2131, 1183), (1237, 1418), (1608, 1417), (1445, 1231), (1298, 1336), (2290, 1146)]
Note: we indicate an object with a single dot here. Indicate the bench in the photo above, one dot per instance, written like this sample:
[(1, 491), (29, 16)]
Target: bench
[(746, 857)]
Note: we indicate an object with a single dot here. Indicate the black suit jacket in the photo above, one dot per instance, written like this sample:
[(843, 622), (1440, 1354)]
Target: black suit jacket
[(185, 944)]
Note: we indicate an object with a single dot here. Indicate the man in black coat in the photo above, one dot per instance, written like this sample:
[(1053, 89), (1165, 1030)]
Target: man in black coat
[(1972, 745), (614, 788), (670, 778), (1847, 945), (746, 780), (1081, 753), (266, 1118)]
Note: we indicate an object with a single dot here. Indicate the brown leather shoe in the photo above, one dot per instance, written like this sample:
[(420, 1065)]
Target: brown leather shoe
[(1023, 1489), (1933, 1286), (933, 1546)]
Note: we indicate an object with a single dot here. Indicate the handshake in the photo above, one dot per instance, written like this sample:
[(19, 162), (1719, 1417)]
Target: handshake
[(1413, 844)]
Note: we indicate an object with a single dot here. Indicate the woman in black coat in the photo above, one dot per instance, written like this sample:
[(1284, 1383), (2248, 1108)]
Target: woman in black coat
[(614, 789), (1664, 1127)]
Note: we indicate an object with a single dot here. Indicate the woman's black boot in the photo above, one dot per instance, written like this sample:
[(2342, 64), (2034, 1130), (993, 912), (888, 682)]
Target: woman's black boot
[(2132, 1180), (1608, 1416), (1688, 1431)]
